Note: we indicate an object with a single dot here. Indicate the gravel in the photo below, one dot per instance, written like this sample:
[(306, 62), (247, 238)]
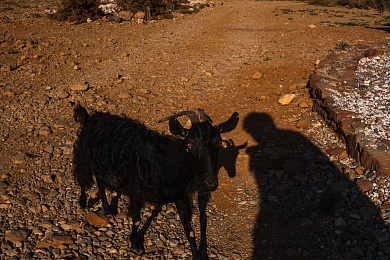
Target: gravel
[(40, 214), (371, 100)]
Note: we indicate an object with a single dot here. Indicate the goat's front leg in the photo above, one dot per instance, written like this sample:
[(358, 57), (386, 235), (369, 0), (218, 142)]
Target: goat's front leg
[(184, 208), (203, 199)]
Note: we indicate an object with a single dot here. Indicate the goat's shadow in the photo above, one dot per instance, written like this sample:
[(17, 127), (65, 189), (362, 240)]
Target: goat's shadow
[(308, 208), (227, 156), (227, 159)]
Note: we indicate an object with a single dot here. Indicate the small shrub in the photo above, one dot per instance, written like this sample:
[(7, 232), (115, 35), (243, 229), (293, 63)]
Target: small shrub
[(78, 10), (362, 4), (13, 51), (287, 11), (341, 45), (386, 20), (352, 23), (152, 8), (7, 8)]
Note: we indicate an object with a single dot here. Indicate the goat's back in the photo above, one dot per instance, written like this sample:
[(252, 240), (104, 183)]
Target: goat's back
[(125, 155), (103, 135)]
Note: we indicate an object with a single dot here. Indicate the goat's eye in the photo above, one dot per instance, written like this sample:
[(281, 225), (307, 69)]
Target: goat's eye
[(189, 147)]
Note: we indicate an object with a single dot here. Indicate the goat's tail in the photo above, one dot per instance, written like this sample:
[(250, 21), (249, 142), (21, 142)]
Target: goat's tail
[(80, 114)]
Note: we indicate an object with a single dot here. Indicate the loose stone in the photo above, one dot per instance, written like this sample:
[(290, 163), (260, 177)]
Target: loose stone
[(286, 99)]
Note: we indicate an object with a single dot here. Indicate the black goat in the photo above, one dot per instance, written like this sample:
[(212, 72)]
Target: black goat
[(126, 157)]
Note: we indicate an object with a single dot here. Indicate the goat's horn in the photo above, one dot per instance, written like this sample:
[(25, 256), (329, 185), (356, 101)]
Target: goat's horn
[(204, 116), (191, 114)]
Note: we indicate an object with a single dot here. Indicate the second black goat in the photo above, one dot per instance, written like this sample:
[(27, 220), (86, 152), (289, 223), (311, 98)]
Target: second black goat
[(130, 159)]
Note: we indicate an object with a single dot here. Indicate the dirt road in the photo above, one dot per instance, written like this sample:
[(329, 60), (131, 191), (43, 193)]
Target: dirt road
[(235, 56)]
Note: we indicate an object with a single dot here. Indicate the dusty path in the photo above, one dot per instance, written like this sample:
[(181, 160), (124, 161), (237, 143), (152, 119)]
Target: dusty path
[(237, 56)]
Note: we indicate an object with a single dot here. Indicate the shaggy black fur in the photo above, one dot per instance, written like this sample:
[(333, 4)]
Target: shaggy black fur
[(126, 157)]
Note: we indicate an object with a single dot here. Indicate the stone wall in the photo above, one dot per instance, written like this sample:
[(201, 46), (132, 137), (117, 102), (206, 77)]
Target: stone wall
[(337, 71)]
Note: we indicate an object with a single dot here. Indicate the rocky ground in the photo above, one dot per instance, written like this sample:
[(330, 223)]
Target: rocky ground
[(287, 189)]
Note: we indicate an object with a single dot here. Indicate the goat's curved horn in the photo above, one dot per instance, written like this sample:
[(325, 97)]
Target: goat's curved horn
[(191, 114), (204, 116)]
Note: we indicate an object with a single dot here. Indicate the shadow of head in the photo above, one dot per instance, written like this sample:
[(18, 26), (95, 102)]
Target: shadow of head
[(258, 124), (228, 155)]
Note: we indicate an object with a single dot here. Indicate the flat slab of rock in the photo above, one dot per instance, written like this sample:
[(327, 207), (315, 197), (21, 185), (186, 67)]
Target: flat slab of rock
[(96, 218), (17, 236), (55, 241)]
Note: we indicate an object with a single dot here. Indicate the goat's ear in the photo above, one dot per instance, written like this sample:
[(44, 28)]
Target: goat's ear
[(176, 128), (229, 125)]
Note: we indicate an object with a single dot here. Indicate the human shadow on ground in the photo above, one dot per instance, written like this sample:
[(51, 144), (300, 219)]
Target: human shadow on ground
[(308, 208), (384, 27)]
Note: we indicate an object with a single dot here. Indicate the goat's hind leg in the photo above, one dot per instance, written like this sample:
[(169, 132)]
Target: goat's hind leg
[(102, 194), (84, 185), (83, 197)]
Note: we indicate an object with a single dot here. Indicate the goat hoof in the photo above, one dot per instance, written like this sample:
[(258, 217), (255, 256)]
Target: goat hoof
[(113, 211), (83, 204), (202, 254), (138, 249), (92, 202), (110, 216), (110, 213)]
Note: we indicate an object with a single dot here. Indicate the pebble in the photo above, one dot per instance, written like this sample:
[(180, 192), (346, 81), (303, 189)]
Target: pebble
[(304, 102), (257, 75), (178, 250), (20, 158), (337, 152), (46, 224), (45, 130), (286, 99), (272, 198), (124, 95), (364, 185), (303, 123), (144, 91), (340, 222), (79, 87), (61, 124), (48, 178), (63, 94)]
